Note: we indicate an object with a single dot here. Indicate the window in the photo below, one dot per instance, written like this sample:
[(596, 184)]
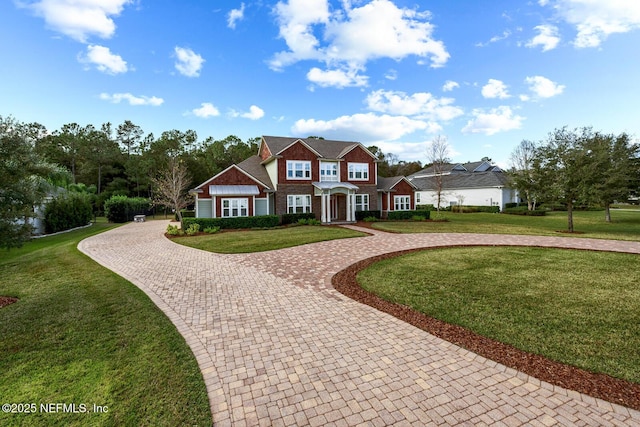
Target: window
[(362, 202), (299, 203), (298, 169), (328, 171), (235, 207), (359, 171), (402, 203), (417, 198)]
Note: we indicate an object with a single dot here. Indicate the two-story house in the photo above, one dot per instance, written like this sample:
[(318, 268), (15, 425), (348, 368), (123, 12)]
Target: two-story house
[(332, 179)]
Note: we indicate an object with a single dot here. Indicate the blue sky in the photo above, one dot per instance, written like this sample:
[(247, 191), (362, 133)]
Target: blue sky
[(485, 74)]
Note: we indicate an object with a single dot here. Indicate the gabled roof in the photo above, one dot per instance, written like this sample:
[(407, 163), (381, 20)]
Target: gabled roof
[(325, 148), (387, 184), (252, 168), (456, 181), (452, 168)]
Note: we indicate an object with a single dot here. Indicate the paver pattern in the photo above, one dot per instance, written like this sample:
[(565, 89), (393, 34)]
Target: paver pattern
[(277, 345)]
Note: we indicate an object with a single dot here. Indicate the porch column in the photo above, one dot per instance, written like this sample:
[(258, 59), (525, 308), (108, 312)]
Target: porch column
[(323, 208), (327, 206), (350, 207)]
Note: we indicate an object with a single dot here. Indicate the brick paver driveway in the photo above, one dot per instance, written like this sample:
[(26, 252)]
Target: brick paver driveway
[(278, 346)]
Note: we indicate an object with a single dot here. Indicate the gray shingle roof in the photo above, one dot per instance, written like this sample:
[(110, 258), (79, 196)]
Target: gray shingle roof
[(455, 168), (253, 167), (325, 147), (464, 180), (387, 183)]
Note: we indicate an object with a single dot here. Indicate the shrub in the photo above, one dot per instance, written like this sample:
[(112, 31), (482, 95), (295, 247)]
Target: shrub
[(192, 229), (211, 230), (174, 230), (123, 208), (371, 219), (418, 218), (395, 215), (426, 207), (293, 218), (524, 210), (360, 215), (185, 214), (67, 211), (475, 209), (263, 221)]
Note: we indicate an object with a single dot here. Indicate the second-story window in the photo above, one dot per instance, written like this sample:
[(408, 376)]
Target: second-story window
[(359, 171), (298, 169), (328, 171)]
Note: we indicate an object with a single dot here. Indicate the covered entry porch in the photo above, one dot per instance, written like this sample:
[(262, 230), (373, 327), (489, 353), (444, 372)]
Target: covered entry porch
[(337, 201)]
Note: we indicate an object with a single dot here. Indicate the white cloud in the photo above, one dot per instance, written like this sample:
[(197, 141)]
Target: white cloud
[(364, 127), (495, 89), (234, 16), (336, 78), (206, 110), (104, 60), (391, 74), (352, 36), (421, 105), (188, 62), (542, 87), (495, 120), (505, 35), (547, 37), (80, 19), (450, 85), (595, 20), (254, 113), (116, 98)]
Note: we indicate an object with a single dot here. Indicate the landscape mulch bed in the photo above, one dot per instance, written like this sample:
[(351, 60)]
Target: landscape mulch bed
[(600, 386), (5, 301)]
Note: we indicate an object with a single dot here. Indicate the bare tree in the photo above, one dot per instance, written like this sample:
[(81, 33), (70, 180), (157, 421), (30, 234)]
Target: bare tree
[(171, 186), (437, 155), (522, 172)]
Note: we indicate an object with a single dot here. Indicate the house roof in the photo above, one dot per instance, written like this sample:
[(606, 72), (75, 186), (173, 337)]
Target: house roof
[(387, 183), (253, 167), (452, 168), (325, 148), (464, 180)]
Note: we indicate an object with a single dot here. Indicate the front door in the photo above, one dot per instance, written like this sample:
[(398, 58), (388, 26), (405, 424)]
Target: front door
[(333, 207)]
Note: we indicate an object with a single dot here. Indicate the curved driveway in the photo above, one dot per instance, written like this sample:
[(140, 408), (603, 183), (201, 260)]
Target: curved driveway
[(278, 346)]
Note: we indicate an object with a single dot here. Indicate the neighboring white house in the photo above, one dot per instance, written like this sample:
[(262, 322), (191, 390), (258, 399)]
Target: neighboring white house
[(469, 184)]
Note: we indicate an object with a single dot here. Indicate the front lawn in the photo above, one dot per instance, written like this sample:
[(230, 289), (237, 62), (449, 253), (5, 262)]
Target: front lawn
[(625, 225), (233, 242), (575, 307), (79, 334)]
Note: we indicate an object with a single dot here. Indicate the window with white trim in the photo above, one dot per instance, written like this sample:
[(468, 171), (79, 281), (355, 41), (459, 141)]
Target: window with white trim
[(328, 171), (299, 203), (358, 171), (362, 202), (298, 169), (402, 203), (235, 207), (417, 198)]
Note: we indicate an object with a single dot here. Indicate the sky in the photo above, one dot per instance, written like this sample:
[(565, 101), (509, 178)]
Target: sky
[(485, 74)]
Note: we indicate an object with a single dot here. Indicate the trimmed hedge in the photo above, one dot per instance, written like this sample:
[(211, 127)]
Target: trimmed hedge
[(394, 215), (123, 208), (67, 211), (185, 214), (475, 209), (524, 210), (263, 221), (361, 215), (427, 207), (293, 218)]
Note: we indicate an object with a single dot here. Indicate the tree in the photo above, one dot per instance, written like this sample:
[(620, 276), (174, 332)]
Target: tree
[(562, 166), (437, 155), (23, 184), (171, 186), (129, 136), (522, 172), (610, 163)]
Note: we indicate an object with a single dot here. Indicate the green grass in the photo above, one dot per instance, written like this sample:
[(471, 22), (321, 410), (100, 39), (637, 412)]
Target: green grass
[(233, 242), (81, 334), (625, 224), (576, 307)]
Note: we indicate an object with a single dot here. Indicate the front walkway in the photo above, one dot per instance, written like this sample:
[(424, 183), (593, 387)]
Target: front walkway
[(278, 346)]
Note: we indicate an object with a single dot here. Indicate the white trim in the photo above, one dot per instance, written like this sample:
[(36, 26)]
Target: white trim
[(356, 166), (405, 205), (231, 208), (334, 164), (361, 204), (307, 198), (295, 142), (294, 170), (238, 168)]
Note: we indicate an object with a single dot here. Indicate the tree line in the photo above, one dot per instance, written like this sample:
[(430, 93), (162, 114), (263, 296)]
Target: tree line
[(579, 167)]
